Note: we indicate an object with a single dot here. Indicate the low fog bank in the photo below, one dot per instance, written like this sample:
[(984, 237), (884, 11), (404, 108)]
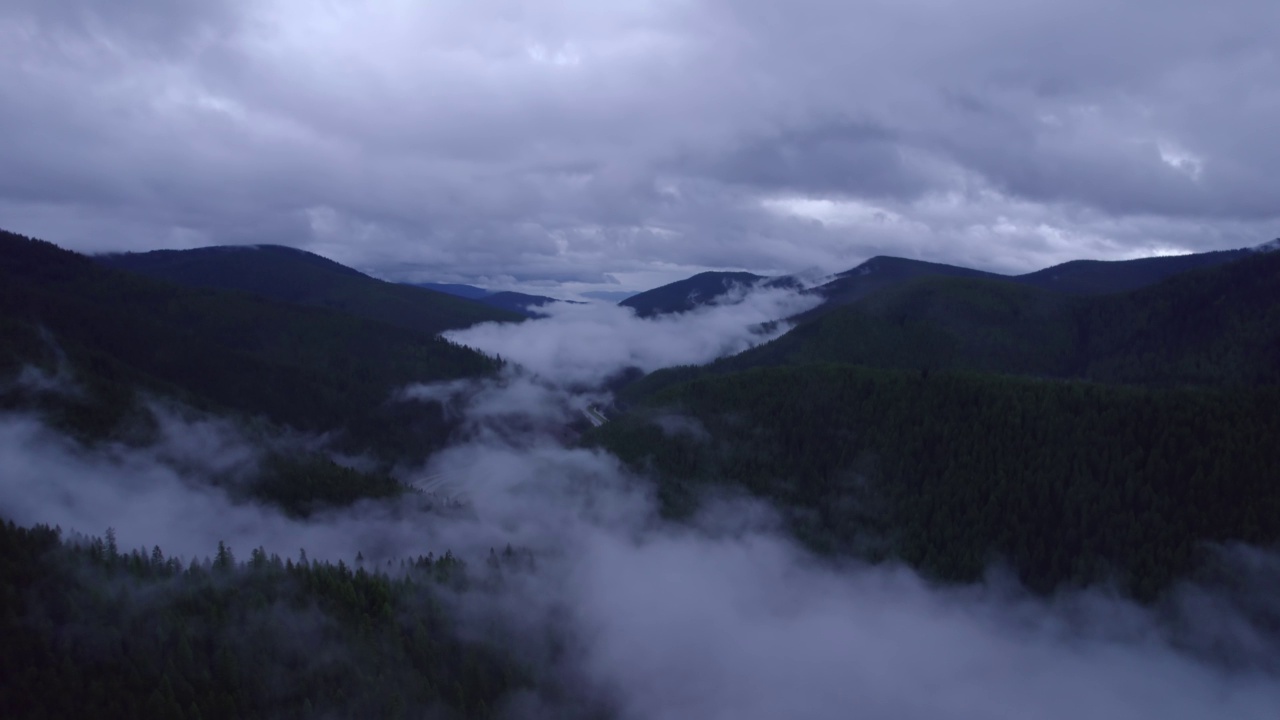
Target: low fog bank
[(725, 617), (584, 345), (684, 625), (175, 494), (721, 617)]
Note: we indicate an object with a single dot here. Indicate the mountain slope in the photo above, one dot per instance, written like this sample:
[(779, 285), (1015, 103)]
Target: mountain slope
[(470, 292), (934, 323), (515, 302), (1077, 277), (1219, 325), (303, 278), (1213, 326), (310, 368), (883, 272), (943, 454), (613, 296), (1064, 483), (685, 295), (1098, 277)]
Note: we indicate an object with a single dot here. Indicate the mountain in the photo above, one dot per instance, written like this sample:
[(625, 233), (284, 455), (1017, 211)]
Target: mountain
[(685, 295), (951, 421), (613, 296), (1098, 277), (518, 302), (1064, 484), (882, 272), (1078, 277), (315, 369), (303, 278), (515, 302), (933, 322), (1213, 326), (470, 292)]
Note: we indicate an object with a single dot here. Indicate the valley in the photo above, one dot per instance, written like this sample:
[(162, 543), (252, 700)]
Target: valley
[(311, 453)]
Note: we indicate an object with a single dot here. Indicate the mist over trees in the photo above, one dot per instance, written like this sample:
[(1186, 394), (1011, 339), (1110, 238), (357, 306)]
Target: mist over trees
[(133, 634), (1031, 504)]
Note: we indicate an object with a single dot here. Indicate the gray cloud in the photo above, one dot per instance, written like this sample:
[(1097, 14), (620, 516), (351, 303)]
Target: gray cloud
[(572, 140), (833, 158)]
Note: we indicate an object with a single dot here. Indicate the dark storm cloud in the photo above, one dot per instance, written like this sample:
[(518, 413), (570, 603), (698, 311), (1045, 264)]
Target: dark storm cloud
[(843, 157), (569, 140)]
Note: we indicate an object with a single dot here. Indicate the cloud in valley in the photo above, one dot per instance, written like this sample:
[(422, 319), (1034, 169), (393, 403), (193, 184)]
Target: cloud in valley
[(721, 617), (587, 344)]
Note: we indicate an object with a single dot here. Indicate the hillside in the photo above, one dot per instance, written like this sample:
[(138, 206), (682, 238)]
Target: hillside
[(523, 303), (953, 422), (1213, 326), (1066, 483), (310, 368), (471, 292), (882, 272), (303, 278), (1098, 277), (516, 302), (231, 638), (685, 295), (1078, 277), (934, 323)]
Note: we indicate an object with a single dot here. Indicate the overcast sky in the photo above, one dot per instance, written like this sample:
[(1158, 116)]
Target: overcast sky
[(622, 144)]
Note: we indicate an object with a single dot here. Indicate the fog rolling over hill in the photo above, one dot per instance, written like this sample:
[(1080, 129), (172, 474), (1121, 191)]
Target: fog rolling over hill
[(313, 369), (684, 295), (583, 593), (1077, 277)]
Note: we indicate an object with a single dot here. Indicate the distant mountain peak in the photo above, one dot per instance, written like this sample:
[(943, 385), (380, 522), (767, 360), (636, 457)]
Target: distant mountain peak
[(685, 295), (1268, 246)]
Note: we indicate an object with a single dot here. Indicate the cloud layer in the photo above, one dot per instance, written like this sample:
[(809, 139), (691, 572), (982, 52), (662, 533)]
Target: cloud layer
[(584, 345), (725, 618), (630, 143)]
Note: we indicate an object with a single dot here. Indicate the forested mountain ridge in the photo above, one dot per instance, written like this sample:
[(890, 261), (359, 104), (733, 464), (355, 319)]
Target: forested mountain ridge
[(516, 302), (314, 369), (303, 278), (1100, 277), (523, 303), (953, 422), (1069, 483), (1077, 277), (471, 292), (685, 295), (1211, 326), (882, 272)]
